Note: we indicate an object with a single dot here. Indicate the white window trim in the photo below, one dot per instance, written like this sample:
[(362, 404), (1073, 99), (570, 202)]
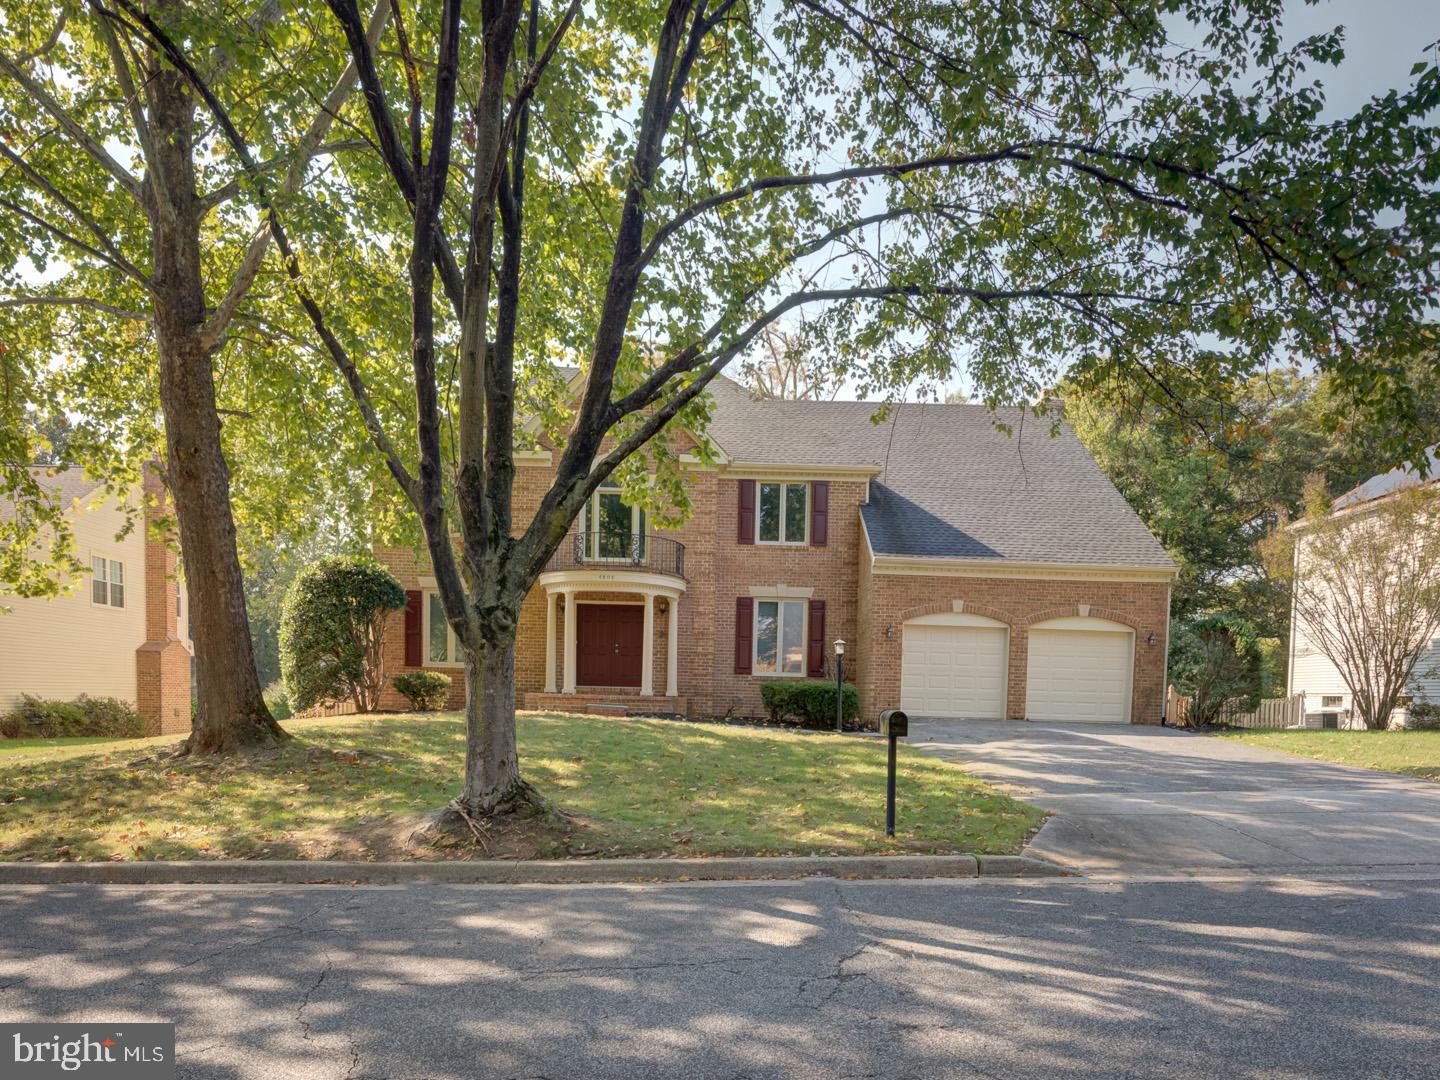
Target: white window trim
[(780, 638), (590, 514), (451, 643), (784, 486), (125, 584)]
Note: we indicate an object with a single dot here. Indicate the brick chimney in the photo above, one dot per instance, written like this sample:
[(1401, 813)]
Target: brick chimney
[(162, 663)]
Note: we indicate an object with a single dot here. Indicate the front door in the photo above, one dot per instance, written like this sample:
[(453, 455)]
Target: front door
[(608, 644)]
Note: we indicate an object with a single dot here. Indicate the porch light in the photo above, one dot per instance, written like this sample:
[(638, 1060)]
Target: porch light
[(839, 646), (1150, 638)]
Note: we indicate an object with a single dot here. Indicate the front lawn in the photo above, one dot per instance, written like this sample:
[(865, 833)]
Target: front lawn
[(352, 788), (1410, 753), (35, 746)]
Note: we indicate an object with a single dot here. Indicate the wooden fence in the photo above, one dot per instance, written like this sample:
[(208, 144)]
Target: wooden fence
[(1269, 713)]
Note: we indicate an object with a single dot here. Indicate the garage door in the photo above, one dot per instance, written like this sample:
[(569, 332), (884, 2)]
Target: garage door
[(1079, 670), (954, 666)]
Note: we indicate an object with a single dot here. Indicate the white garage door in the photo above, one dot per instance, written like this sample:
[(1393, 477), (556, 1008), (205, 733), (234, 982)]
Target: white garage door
[(1079, 670), (954, 666)]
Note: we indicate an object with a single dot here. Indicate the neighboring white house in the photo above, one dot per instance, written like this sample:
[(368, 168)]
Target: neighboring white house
[(121, 629), (1311, 672)]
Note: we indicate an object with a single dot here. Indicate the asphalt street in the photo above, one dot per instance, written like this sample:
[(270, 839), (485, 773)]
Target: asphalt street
[(1238, 977)]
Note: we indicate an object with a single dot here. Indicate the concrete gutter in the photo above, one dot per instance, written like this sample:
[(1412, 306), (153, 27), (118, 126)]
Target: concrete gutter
[(514, 872)]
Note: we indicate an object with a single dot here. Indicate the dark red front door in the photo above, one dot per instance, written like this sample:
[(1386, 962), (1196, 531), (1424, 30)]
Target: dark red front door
[(608, 640)]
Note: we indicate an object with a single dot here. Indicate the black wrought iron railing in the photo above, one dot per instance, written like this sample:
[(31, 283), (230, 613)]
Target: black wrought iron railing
[(622, 550)]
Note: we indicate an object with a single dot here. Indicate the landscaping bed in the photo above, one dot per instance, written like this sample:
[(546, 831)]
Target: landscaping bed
[(1409, 753), (355, 787)]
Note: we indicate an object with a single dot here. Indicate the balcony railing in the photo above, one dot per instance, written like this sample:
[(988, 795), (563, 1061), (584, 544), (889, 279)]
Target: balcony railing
[(621, 550)]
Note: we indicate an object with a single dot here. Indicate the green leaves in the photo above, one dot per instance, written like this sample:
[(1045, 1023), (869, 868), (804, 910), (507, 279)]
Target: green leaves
[(331, 630)]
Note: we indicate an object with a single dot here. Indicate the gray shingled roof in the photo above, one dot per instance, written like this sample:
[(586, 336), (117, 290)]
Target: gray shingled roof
[(66, 485), (952, 485), (1387, 482)]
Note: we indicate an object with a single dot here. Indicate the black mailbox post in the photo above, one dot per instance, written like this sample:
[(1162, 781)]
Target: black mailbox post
[(894, 725)]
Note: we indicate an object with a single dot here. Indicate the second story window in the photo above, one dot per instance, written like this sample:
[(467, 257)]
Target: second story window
[(107, 582), (609, 529), (783, 514)]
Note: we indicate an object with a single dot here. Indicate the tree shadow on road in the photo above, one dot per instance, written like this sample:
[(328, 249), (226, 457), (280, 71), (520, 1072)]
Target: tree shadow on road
[(816, 978)]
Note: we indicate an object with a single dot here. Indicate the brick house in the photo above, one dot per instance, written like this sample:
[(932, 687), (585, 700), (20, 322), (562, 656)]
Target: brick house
[(970, 574), (120, 631)]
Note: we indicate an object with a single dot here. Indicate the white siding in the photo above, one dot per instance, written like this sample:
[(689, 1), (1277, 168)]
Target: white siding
[(69, 646), (1312, 673)]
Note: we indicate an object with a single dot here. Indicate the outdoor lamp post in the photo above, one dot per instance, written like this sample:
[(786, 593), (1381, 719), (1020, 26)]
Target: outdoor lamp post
[(839, 684)]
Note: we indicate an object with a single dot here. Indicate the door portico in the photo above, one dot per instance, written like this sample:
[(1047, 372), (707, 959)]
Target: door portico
[(568, 595)]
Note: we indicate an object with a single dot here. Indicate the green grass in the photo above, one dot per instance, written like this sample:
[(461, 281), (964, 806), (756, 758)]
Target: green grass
[(32, 746), (1410, 753), (347, 787)]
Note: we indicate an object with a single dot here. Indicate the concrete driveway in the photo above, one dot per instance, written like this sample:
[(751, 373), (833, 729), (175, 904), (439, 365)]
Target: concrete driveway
[(1150, 799)]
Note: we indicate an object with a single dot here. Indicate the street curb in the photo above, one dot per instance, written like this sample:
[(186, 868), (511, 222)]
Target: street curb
[(1019, 866), (508, 872)]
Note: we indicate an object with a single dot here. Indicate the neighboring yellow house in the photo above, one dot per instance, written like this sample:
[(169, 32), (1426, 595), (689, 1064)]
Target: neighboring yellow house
[(121, 630)]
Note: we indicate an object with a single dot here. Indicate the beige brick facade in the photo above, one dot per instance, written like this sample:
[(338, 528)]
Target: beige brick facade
[(1019, 603), (162, 662), (860, 604)]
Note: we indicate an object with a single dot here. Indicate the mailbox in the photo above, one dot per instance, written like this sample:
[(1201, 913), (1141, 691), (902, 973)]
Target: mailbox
[(895, 723)]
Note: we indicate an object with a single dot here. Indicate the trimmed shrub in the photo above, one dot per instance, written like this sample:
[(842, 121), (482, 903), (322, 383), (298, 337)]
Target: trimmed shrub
[(811, 702), (277, 700), (49, 718), (332, 632), (425, 690)]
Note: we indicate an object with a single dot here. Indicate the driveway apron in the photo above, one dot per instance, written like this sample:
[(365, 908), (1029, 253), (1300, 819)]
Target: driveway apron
[(1148, 799)]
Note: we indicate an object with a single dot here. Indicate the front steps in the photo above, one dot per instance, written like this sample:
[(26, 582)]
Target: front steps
[(599, 701)]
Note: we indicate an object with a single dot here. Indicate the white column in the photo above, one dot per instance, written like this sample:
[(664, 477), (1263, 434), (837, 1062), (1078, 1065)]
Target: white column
[(672, 658), (647, 649), (570, 621), (550, 598)]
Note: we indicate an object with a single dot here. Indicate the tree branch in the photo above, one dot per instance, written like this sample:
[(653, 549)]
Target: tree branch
[(224, 192), (75, 301), (213, 331), (71, 127), (107, 252), (392, 151), (146, 27)]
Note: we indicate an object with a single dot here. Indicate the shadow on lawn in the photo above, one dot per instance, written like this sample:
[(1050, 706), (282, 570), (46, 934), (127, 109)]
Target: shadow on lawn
[(804, 979), (355, 790)]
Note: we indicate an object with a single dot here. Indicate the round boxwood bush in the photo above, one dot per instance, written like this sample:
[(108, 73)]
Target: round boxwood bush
[(809, 702), (425, 690), (332, 632)]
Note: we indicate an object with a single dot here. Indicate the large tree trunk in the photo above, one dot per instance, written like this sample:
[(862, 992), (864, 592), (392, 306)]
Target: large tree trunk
[(492, 766), (231, 713)]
